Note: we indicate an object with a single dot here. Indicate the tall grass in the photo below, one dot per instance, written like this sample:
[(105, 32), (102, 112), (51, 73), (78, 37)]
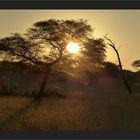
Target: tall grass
[(104, 106)]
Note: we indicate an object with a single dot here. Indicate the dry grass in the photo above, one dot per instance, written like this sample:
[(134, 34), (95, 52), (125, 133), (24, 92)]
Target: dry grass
[(105, 106)]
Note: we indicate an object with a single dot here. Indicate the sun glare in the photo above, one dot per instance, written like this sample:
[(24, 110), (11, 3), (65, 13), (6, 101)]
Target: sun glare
[(73, 47)]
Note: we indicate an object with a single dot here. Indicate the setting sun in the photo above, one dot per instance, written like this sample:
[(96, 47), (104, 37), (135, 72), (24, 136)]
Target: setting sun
[(73, 47)]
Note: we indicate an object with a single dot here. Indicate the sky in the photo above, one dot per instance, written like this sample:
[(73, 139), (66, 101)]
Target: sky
[(122, 26)]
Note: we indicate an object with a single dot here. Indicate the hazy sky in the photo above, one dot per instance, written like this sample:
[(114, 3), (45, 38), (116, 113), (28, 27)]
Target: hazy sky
[(123, 27)]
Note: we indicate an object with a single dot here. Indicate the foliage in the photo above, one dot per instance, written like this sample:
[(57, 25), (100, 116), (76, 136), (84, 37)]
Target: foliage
[(111, 68), (44, 46), (136, 64), (95, 50)]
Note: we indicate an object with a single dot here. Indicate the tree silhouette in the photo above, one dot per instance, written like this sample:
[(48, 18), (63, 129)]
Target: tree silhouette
[(95, 50), (93, 58), (111, 68), (44, 45), (110, 43), (136, 64)]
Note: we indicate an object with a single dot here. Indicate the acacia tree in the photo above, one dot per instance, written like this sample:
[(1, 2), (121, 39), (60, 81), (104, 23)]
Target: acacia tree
[(136, 64), (94, 56), (95, 50), (44, 44)]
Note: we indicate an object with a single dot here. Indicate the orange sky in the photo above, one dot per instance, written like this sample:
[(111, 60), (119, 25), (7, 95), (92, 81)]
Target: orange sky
[(123, 27)]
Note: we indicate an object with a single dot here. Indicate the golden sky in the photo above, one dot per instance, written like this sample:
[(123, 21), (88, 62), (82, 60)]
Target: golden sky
[(123, 27)]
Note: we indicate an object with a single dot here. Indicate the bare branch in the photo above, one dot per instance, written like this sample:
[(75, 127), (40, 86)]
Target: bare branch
[(120, 65)]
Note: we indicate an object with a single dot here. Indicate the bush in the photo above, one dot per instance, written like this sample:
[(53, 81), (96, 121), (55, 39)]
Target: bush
[(111, 69)]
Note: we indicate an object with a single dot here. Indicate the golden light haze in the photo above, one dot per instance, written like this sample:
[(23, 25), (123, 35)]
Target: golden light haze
[(122, 26)]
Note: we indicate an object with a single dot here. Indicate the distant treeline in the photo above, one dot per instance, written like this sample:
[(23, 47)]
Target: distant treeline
[(111, 69), (108, 69), (17, 67)]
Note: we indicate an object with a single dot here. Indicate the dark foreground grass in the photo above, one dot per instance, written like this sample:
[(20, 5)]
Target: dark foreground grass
[(96, 108), (104, 106)]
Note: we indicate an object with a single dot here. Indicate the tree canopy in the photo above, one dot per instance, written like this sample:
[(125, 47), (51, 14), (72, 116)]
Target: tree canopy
[(44, 46), (44, 43), (136, 64)]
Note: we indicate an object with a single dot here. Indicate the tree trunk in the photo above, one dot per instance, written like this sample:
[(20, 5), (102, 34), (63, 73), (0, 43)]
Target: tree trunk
[(122, 74), (42, 91)]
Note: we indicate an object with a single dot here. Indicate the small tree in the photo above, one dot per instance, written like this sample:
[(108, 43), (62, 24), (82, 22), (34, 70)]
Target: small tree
[(111, 68), (136, 64)]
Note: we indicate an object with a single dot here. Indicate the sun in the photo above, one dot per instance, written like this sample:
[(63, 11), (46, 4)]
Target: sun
[(73, 47)]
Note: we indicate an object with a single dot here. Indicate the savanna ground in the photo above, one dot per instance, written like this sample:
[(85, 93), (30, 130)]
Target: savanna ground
[(104, 106)]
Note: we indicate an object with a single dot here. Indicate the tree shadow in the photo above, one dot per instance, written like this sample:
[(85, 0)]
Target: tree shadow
[(18, 113)]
